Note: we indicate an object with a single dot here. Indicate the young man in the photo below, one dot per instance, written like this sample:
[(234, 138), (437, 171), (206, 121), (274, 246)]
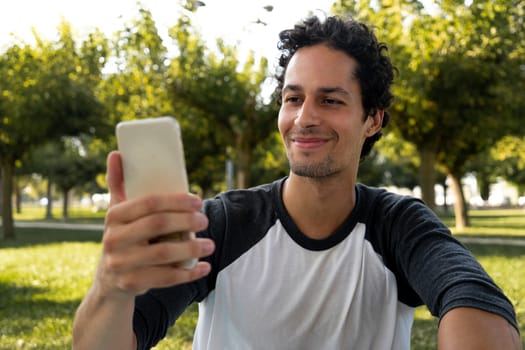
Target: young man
[(311, 261)]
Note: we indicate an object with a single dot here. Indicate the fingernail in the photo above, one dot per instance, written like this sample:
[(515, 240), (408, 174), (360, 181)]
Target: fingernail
[(204, 269), (196, 203), (208, 247), (202, 220)]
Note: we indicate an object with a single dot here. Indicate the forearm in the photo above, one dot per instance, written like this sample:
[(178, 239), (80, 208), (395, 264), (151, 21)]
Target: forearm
[(469, 328), (104, 324)]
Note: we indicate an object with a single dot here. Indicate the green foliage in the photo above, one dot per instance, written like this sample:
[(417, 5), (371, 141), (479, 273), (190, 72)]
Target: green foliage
[(504, 160), (459, 61), (270, 161), (135, 86), (509, 153), (214, 96), (484, 167), (392, 162), (214, 85), (66, 162)]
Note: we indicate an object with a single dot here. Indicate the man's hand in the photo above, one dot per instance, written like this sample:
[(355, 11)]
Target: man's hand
[(130, 264)]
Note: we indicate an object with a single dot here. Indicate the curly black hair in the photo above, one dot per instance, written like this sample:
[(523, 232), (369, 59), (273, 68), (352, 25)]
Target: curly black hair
[(375, 71)]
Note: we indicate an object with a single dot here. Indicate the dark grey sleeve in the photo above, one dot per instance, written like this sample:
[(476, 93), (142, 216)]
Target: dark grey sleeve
[(157, 310), (431, 263)]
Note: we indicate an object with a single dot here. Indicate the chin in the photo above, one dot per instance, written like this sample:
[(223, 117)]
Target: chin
[(314, 171)]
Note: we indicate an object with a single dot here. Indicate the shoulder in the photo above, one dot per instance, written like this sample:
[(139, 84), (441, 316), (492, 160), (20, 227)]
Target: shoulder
[(238, 219), (244, 201), (393, 219), (379, 201)]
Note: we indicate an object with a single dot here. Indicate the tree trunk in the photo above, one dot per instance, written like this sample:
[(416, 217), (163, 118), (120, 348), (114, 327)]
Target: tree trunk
[(49, 205), (65, 204), (484, 186), (244, 157), (445, 189), (460, 207), (241, 175), (427, 176), (7, 207), (18, 196), (1, 191), (245, 144)]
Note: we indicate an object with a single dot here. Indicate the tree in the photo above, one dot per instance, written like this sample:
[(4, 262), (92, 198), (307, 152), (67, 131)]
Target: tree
[(472, 93), (477, 107), (135, 85), (227, 94), (75, 168), (67, 164), (46, 92), (135, 80)]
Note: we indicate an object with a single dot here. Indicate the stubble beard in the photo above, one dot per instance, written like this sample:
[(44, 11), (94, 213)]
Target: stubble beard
[(316, 170)]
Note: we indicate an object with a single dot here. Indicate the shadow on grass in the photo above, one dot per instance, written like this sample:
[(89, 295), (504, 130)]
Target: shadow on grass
[(37, 236), (424, 334), (24, 307), (184, 328)]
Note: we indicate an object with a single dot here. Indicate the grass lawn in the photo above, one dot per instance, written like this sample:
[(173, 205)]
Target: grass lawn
[(45, 274), (79, 215), (505, 223)]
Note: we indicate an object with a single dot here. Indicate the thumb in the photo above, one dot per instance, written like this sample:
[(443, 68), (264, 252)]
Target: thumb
[(115, 178)]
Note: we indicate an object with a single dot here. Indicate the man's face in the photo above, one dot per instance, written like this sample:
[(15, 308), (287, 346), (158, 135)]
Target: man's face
[(321, 119)]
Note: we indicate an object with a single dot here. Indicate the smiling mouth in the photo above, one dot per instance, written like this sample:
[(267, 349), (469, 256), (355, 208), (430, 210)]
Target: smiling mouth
[(308, 143), (309, 138)]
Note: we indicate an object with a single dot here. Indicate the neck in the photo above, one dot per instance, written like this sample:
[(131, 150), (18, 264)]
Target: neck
[(319, 206)]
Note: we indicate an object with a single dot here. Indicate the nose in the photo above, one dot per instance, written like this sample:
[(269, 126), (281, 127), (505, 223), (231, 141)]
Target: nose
[(307, 114)]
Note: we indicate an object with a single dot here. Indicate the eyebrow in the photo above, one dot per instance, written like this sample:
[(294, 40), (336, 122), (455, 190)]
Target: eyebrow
[(323, 89)]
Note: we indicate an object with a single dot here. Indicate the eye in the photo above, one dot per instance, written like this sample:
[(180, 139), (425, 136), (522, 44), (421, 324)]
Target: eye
[(292, 99), (331, 101)]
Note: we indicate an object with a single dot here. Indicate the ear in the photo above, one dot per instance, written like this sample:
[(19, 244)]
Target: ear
[(374, 122)]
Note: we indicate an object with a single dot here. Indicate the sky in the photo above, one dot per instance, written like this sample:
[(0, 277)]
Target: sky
[(233, 20)]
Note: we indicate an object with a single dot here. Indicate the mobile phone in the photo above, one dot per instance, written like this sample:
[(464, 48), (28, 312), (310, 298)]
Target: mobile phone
[(153, 163)]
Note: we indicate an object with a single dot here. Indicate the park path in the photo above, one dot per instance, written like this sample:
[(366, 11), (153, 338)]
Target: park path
[(518, 242)]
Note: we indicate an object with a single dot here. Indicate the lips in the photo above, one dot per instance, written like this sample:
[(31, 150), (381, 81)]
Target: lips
[(308, 142), (309, 138)]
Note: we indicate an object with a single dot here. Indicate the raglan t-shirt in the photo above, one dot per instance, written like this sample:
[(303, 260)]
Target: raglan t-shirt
[(272, 287)]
